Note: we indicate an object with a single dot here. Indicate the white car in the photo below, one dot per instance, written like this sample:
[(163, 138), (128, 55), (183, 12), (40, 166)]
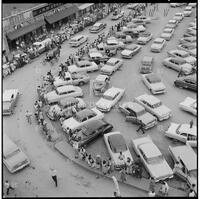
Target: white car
[(154, 106), (115, 144), (154, 83), (112, 42), (190, 105), (193, 5), (183, 133), (188, 11), (83, 66), (144, 18), (144, 38), (190, 40), (13, 157), (81, 118), (112, 65), (97, 27), (152, 158), (78, 40), (158, 45), (179, 16), (172, 23), (188, 48), (130, 51), (167, 33), (109, 99), (63, 92)]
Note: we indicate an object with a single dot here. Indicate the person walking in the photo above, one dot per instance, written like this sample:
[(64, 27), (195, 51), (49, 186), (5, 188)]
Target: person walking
[(54, 176), (129, 163), (111, 165), (28, 116), (191, 123), (123, 175), (121, 157), (141, 127), (8, 187)]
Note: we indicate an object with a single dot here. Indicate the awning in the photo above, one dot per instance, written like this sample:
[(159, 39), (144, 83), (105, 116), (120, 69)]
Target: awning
[(62, 14), (85, 5), (24, 30)]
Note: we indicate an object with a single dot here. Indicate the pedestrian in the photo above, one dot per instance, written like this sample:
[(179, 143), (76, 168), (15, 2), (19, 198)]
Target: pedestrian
[(8, 187), (111, 165), (41, 118), (138, 161), (141, 127), (191, 193), (129, 163), (75, 147), (151, 194), (138, 172), (104, 167), (91, 162), (40, 103), (191, 123), (121, 157), (83, 153), (152, 184), (54, 176), (163, 191), (123, 175), (98, 163), (116, 195), (28, 116)]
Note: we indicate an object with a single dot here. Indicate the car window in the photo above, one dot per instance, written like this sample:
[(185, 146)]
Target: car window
[(91, 116), (84, 119), (131, 111), (191, 137), (80, 38)]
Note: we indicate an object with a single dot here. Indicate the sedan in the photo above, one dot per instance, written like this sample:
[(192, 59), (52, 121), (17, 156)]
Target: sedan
[(167, 33), (191, 49), (136, 114), (188, 11), (97, 57), (147, 65), (97, 27), (109, 99), (158, 45), (154, 106), (179, 16), (190, 105), (144, 18), (172, 23), (144, 38), (192, 31), (154, 83), (130, 51), (152, 158), (191, 40), (117, 15), (183, 133), (115, 144)]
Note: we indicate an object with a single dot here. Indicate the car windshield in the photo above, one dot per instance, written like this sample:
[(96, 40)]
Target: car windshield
[(12, 153), (155, 160)]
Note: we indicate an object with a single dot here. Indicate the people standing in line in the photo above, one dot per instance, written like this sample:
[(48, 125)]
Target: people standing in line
[(8, 187), (54, 176), (28, 116)]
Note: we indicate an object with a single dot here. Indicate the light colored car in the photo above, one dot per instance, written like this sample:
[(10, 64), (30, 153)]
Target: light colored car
[(181, 54), (190, 40), (83, 66), (144, 38), (188, 11), (152, 158), (147, 65), (178, 64), (10, 98), (158, 45), (179, 16), (41, 46), (117, 15), (13, 157), (97, 27), (109, 99), (112, 65), (153, 105), (167, 33), (144, 18), (190, 105), (78, 40), (63, 92), (136, 114), (113, 42), (130, 51), (191, 49), (115, 144), (100, 84), (154, 83), (172, 23), (183, 133), (81, 118)]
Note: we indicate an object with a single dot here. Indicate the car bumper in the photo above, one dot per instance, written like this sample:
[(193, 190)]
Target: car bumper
[(103, 110), (158, 91), (155, 50), (150, 125), (106, 72)]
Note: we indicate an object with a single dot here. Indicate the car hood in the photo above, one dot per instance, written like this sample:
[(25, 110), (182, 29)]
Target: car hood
[(71, 123), (103, 103), (146, 118), (126, 52), (162, 110), (172, 128), (72, 68), (158, 86), (165, 35), (156, 46), (107, 68)]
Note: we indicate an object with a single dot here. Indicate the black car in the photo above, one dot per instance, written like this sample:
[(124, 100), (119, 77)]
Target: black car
[(91, 131), (188, 82)]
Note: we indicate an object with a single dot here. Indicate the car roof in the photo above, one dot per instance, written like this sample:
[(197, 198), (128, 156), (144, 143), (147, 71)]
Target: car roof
[(97, 24), (147, 59), (113, 60), (152, 77), (134, 106), (83, 62), (193, 77), (101, 77), (185, 128), (150, 149), (150, 99), (172, 20), (93, 125), (95, 54), (77, 37), (112, 91), (131, 46), (84, 113), (65, 88), (68, 101), (159, 39), (7, 94), (181, 52)]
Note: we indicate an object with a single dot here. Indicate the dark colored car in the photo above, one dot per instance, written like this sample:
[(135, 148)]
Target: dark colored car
[(188, 82), (91, 131)]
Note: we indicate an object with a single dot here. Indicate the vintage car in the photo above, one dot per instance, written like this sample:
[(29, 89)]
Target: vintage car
[(41, 46), (13, 157), (123, 37), (172, 24), (78, 40), (144, 38), (190, 40), (10, 98), (117, 15), (182, 133), (191, 49), (108, 50), (158, 45), (154, 106), (81, 118), (191, 31), (190, 34), (136, 114), (188, 11), (97, 27), (143, 18), (179, 16), (190, 105), (100, 84), (97, 56), (147, 65), (152, 158), (131, 32), (154, 83), (130, 51), (167, 33), (113, 42), (115, 144), (109, 99)]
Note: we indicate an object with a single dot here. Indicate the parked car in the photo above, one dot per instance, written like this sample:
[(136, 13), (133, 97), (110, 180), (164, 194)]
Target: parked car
[(115, 144), (41, 46), (109, 99), (130, 51), (10, 98), (190, 40), (78, 40), (172, 24), (167, 33), (109, 50), (123, 37), (13, 157), (174, 5), (144, 38), (112, 42), (117, 15), (132, 32), (139, 21), (144, 18), (136, 114), (97, 57), (191, 49), (81, 118), (179, 16), (154, 106), (152, 158), (190, 34), (147, 65), (192, 31), (154, 83), (97, 27), (190, 105), (188, 11), (158, 45)]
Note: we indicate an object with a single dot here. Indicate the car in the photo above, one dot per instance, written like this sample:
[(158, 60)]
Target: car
[(154, 106), (172, 24), (10, 98), (61, 92), (188, 11), (174, 5), (130, 31), (83, 66), (81, 118), (136, 22), (143, 18), (130, 51), (190, 105), (89, 132), (115, 144), (167, 33), (193, 24), (181, 54), (41, 45), (179, 16), (192, 31), (97, 27), (109, 99), (189, 82), (158, 45), (144, 38), (191, 49), (193, 5), (186, 156), (64, 108), (139, 28), (123, 37), (190, 40), (108, 50), (154, 83), (112, 65), (100, 84), (113, 42), (13, 157), (152, 158), (78, 40), (136, 114), (182, 133), (147, 65), (97, 57), (178, 64), (117, 15)]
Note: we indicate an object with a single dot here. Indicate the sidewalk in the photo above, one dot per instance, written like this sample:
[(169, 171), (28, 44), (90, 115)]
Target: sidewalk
[(143, 184)]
